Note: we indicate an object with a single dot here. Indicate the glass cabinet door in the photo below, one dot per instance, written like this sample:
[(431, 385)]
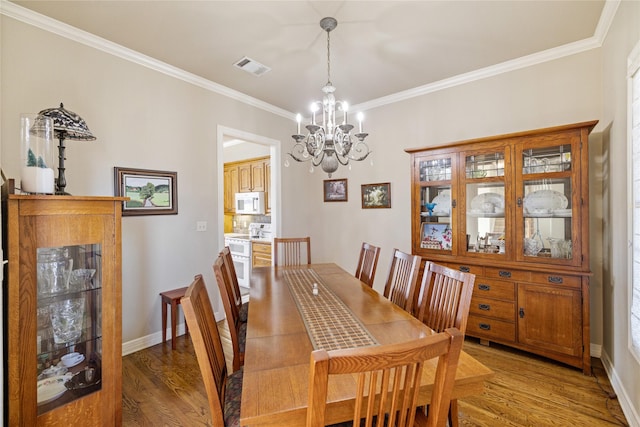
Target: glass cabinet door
[(546, 200), (485, 227), (435, 198), (69, 324)]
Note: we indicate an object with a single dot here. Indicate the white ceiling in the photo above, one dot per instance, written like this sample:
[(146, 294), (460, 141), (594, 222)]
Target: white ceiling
[(380, 48)]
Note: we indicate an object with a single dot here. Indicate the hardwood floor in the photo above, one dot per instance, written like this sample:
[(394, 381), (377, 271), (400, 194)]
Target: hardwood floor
[(162, 387)]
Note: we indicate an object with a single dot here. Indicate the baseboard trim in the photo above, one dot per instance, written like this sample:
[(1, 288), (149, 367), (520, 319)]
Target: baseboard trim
[(153, 339), (627, 406)]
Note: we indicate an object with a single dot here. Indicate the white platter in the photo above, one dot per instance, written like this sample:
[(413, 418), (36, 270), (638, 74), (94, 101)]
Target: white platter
[(478, 202), (485, 214), (539, 215), (545, 199), (443, 204), (563, 213), (52, 388)]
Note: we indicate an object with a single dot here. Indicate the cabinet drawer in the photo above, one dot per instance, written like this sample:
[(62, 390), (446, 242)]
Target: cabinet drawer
[(483, 327), (493, 308), (478, 270), (263, 248), (556, 279), (490, 288), (507, 273)]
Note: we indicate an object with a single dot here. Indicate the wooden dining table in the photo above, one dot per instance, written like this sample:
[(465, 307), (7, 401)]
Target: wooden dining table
[(288, 320)]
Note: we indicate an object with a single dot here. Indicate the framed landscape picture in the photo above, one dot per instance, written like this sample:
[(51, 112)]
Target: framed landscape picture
[(376, 196), (335, 190), (150, 192)]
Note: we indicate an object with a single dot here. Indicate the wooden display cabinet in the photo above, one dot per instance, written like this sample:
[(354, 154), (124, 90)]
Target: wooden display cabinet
[(63, 297), (514, 210)]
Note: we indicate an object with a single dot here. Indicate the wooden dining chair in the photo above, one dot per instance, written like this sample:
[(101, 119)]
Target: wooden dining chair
[(444, 302), (401, 284), (237, 296), (395, 368), (223, 391), (237, 329), (291, 251), (367, 263)]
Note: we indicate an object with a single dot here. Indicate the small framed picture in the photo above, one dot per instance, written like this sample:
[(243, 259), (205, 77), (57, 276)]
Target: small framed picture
[(335, 190), (376, 196), (150, 192)]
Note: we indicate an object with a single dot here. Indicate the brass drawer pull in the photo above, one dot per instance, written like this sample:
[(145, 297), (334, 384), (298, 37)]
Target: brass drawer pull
[(464, 269), (485, 326), (485, 307), (555, 279), (504, 273), (484, 287)]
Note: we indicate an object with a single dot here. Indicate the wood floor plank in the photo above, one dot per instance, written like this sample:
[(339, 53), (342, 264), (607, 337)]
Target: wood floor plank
[(163, 387)]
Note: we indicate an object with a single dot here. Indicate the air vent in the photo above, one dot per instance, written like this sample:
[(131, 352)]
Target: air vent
[(251, 66)]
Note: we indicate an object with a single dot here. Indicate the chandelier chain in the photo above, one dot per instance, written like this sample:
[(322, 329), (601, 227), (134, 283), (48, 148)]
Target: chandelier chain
[(329, 58)]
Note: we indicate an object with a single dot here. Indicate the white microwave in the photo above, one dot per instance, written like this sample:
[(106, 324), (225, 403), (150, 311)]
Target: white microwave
[(250, 203)]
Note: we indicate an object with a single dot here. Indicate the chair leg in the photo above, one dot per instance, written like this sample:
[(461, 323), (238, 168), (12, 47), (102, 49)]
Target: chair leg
[(453, 413)]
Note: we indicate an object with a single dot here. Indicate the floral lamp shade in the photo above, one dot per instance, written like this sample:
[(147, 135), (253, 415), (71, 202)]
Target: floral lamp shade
[(68, 124)]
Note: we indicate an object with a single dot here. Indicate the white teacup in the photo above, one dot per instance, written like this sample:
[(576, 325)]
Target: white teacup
[(71, 359)]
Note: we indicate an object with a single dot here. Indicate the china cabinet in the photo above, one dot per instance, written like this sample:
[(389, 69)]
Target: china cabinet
[(513, 210), (64, 310)]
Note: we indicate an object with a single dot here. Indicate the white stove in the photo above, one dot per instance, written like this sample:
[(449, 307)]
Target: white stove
[(260, 232), (240, 246)]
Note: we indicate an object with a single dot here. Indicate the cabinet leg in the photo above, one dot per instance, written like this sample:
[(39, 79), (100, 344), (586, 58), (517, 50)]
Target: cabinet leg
[(484, 342)]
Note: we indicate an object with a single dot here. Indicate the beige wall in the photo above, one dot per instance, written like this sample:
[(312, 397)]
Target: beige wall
[(146, 119), (622, 37), (142, 119)]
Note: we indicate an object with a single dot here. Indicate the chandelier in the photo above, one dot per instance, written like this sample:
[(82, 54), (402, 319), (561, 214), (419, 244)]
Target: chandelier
[(329, 144)]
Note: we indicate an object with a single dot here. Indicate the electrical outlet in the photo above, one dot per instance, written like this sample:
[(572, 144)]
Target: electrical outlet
[(201, 226)]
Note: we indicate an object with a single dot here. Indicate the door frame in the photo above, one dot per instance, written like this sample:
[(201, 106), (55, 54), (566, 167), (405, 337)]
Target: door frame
[(275, 152)]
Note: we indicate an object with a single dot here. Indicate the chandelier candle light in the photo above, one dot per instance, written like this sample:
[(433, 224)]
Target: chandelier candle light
[(329, 144)]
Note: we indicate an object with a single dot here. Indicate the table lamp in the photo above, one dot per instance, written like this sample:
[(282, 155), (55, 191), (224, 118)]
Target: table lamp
[(66, 125)]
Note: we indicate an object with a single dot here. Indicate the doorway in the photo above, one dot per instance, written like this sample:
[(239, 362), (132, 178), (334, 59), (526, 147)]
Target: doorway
[(224, 135)]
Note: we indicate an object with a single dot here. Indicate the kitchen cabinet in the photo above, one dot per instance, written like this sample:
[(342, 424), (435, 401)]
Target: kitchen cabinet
[(514, 210), (244, 177), (64, 310), (267, 185), (260, 254), (231, 187)]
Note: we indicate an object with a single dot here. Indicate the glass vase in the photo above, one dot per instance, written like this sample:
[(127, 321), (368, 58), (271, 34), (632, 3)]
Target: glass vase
[(36, 174)]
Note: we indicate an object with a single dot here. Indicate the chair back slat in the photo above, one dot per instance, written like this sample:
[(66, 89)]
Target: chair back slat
[(445, 297), (401, 284), (291, 251), (232, 311), (207, 345), (367, 263), (231, 273), (388, 380)]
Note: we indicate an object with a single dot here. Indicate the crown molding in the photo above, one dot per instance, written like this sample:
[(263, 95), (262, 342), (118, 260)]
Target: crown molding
[(43, 22), (594, 42), (61, 29)]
